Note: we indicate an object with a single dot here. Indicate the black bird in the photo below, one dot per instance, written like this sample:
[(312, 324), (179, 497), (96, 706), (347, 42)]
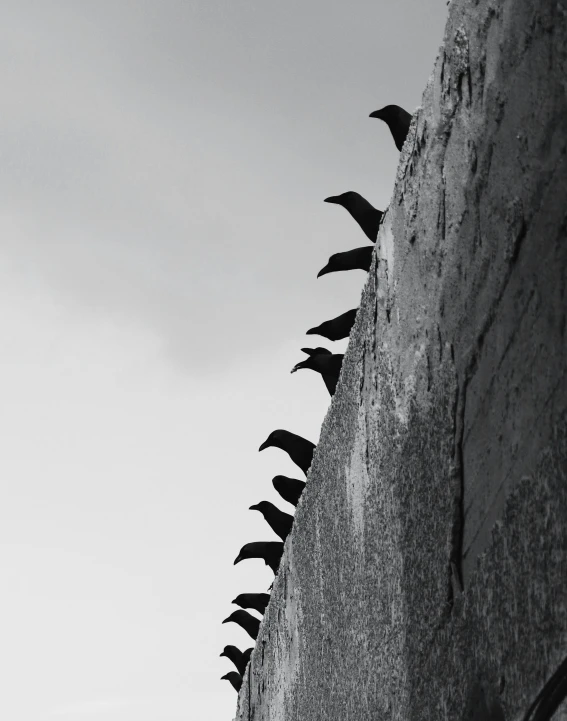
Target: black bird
[(234, 678), (277, 520), (337, 328), (397, 119), (238, 658), (329, 366), (360, 258), (246, 620), (550, 697), (366, 215), (290, 489), (299, 450), (257, 601), (269, 551)]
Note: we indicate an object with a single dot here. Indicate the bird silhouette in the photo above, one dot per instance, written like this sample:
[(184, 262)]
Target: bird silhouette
[(357, 258), (269, 551), (397, 119), (329, 366), (365, 214), (550, 697), (257, 601), (246, 620), (234, 678), (277, 520), (239, 658), (299, 449), (290, 489), (336, 328)]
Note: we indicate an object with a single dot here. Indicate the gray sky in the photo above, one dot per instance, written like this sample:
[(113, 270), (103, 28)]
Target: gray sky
[(163, 166)]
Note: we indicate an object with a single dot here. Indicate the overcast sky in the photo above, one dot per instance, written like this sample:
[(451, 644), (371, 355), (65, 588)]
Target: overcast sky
[(162, 171)]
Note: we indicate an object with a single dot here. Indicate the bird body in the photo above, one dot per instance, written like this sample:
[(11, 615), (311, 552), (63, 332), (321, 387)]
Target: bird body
[(246, 620), (277, 520), (239, 659), (337, 328), (397, 119), (234, 678), (299, 449), (329, 366), (357, 258), (269, 551), (257, 601), (365, 214), (290, 489)]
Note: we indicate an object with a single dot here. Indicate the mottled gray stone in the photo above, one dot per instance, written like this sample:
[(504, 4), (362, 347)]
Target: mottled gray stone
[(443, 457)]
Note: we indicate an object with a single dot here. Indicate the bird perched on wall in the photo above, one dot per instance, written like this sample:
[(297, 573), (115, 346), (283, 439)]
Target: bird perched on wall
[(277, 520), (239, 659), (234, 678), (397, 119), (299, 449), (290, 489), (365, 214), (550, 697), (357, 258), (336, 328), (257, 601), (246, 620), (269, 551), (328, 365)]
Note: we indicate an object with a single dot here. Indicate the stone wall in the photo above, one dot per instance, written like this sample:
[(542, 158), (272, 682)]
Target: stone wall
[(426, 573)]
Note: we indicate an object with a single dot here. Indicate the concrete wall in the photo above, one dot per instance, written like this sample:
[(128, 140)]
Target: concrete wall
[(443, 457)]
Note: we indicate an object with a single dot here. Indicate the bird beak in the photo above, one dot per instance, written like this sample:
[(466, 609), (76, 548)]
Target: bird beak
[(331, 199), (312, 331), (223, 653), (324, 271), (298, 366), (226, 620), (234, 601), (265, 444), (376, 114), (237, 560), (252, 508)]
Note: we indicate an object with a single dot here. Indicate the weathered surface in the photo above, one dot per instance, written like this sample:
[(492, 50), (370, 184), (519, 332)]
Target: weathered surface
[(446, 443)]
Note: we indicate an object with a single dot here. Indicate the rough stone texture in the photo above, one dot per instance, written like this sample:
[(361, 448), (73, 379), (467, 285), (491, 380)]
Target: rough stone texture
[(443, 458)]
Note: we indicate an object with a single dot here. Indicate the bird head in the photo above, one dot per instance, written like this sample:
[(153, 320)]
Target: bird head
[(387, 113), (230, 676), (250, 550), (242, 556), (317, 363), (344, 199), (307, 363), (227, 650), (316, 351), (262, 506), (331, 267), (274, 439)]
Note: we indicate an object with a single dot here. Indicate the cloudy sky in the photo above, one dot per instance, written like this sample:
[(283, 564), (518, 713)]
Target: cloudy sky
[(162, 171)]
